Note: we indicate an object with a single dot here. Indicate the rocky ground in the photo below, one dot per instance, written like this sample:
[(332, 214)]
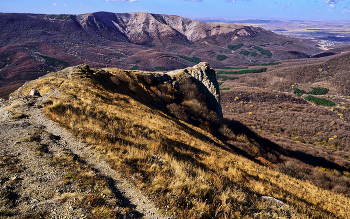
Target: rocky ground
[(45, 172)]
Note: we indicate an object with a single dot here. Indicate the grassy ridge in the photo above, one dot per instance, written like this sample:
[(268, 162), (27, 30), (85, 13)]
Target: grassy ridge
[(187, 169)]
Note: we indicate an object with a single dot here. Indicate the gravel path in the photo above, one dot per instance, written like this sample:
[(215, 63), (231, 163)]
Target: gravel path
[(38, 168)]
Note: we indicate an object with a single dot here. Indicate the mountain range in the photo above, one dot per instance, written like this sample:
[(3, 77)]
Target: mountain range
[(32, 45)]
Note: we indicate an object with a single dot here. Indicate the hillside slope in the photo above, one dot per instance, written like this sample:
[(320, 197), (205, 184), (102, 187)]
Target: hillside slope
[(165, 137), (32, 45), (302, 108), (330, 72)]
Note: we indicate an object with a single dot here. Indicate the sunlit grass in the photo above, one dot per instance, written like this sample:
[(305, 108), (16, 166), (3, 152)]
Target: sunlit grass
[(187, 171)]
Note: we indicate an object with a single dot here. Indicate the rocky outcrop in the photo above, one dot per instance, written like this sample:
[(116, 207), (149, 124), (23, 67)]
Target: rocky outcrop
[(205, 80), (208, 85)]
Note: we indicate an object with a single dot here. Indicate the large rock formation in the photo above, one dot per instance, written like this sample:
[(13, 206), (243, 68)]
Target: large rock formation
[(201, 74), (205, 80)]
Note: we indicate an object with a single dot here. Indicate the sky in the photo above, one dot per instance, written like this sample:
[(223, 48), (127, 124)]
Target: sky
[(196, 9)]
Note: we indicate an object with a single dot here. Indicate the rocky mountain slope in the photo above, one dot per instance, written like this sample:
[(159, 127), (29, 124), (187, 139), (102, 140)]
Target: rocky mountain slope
[(32, 45), (163, 133)]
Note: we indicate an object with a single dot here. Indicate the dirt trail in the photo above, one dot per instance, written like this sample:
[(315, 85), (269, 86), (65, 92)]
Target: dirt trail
[(12, 129)]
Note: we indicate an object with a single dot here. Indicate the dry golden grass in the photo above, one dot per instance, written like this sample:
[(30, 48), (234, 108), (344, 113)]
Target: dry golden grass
[(189, 172)]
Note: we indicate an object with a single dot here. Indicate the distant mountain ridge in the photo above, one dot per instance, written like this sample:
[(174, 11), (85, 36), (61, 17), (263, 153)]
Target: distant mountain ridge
[(142, 27), (32, 45)]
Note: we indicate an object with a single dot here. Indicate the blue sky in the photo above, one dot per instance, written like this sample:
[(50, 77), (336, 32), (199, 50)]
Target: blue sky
[(236, 9)]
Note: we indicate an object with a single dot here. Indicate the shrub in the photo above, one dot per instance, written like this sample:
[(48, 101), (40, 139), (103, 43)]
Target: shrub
[(221, 57), (263, 51), (191, 59), (318, 91), (235, 47), (133, 67), (271, 63), (59, 16), (244, 52), (224, 88), (266, 64), (54, 62), (233, 68), (253, 54), (243, 71), (160, 68), (298, 91), (319, 101)]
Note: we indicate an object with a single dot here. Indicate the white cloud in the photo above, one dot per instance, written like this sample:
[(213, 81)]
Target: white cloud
[(285, 5), (346, 9), (55, 4), (332, 1)]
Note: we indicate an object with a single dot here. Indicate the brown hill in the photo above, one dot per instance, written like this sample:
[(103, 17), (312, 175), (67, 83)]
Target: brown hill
[(161, 133), (32, 45)]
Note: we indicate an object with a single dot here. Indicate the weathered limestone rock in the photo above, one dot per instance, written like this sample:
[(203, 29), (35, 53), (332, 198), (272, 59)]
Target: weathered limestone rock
[(207, 83), (34, 92), (273, 200), (205, 80)]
